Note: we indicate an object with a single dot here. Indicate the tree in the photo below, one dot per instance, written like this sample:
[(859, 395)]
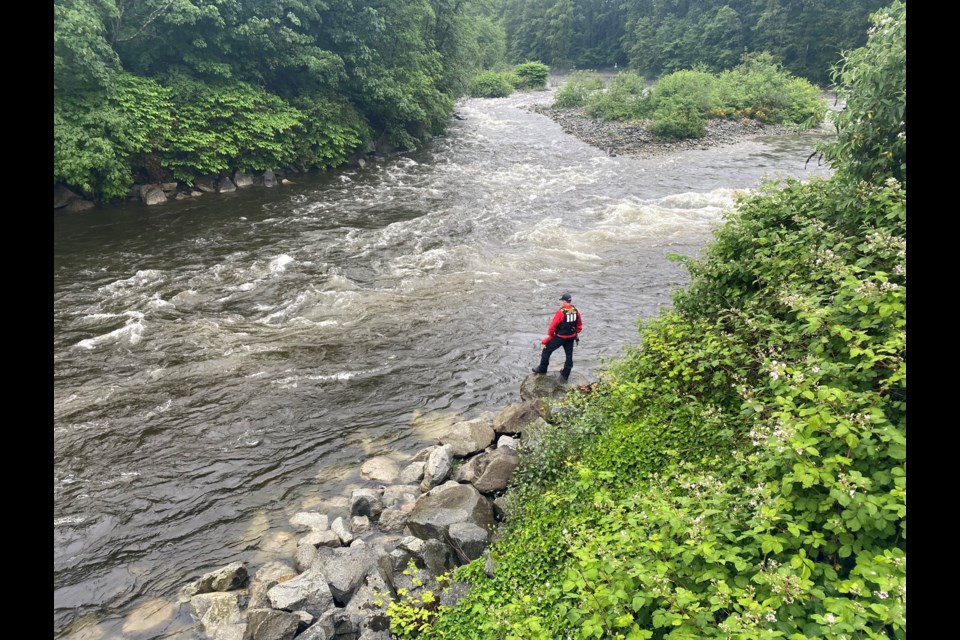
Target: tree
[(871, 142), (83, 59)]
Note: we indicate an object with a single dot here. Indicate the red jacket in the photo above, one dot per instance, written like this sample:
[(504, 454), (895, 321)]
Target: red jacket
[(559, 317)]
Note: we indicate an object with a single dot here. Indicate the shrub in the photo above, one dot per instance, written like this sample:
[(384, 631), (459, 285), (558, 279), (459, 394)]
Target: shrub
[(678, 124), (219, 127), (624, 99), (98, 137), (491, 84), (871, 142), (761, 89), (530, 75), (577, 89), (694, 91)]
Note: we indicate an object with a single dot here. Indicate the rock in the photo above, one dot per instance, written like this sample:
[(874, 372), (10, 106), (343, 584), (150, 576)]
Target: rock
[(151, 194), (380, 469), (513, 418), (447, 505), (499, 466), (242, 180), (366, 502), (471, 436), (233, 576), (267, 577), (271, 624), (218, 615), (311, 519), (309, 591), (437, 468), (412, 473)]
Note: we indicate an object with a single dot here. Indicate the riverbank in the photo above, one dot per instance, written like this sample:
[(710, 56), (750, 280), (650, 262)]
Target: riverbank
[(635, 139)]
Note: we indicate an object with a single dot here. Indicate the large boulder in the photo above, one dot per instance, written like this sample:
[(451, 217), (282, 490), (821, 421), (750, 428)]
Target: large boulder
[(548, 385), (438, 467), (267, 577), (446, 505), (218, 615), (270, 624), (497, 470), (308, 592), (468, 437), (513, 418), (380, 469), (346, 568), (233, 576)]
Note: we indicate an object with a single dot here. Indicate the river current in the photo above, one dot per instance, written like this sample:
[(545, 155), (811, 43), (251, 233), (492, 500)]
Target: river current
[(223, 362)]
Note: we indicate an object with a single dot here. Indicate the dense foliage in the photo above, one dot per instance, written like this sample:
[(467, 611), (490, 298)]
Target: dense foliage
[(655, 37), (153, 89), (528, 76), (741, 473), (871, 140), (679, 103)]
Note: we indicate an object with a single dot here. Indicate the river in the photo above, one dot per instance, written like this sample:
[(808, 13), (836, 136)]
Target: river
[(223, 362)]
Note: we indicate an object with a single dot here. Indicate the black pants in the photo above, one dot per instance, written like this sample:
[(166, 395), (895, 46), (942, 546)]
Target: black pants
[(554, 344)]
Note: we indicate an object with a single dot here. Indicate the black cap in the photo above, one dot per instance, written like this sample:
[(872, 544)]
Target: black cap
[(566, 297)]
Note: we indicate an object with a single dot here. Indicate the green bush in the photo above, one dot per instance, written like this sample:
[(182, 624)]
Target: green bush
[(530, 75), (491, 84), (578, 87), (332, 130), (99, 138), (226, 126), (624, 99), (679, 103), (693, 90), (678, 124), (759, 88), (872, 81)]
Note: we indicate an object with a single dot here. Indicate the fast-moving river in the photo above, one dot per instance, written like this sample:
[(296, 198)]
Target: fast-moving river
[(224, 362)]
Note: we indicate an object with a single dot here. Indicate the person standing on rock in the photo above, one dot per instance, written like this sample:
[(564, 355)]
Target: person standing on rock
[(564, 329)]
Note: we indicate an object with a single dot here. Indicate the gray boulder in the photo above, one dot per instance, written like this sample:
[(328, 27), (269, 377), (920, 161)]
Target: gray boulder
[(309, 592), (311, 520), (266, 577), (400, 494), (549, 385), (468, 540), (452, 503), (242, 180), (469, 437), (271, 624), (513, 418), (346, 568), (380, 469), (412, 473), (151, 194), (497, 472), (218, 615), (366, 502), (438, 467), (233, 576)]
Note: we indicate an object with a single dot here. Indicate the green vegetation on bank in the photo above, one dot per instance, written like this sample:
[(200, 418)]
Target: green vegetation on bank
[(154, 90), (679, 104), (527, 76), (741, 472)]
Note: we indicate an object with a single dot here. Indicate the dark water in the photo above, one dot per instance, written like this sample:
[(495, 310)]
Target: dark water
[(225, 362)]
